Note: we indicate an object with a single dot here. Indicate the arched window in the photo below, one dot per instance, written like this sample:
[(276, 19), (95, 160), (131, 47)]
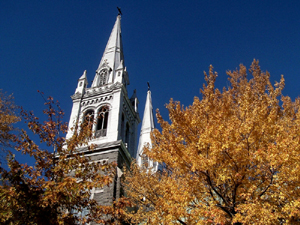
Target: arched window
[(89, 118), (102, 121), (103, 77)]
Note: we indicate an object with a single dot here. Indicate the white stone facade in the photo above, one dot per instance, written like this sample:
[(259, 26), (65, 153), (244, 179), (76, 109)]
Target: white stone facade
[(114, 115)]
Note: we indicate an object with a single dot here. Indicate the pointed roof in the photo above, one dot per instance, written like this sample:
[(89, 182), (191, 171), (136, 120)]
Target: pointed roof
[(133, 95), (146, 129), (83, 76), (113, 53), (148, 122)]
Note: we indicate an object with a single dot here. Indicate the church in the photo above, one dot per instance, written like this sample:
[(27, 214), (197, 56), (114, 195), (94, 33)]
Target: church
[(114, 115)]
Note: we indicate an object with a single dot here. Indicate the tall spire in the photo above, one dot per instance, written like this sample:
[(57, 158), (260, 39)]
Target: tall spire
[(112, 59), (113, 53), (146, 129)]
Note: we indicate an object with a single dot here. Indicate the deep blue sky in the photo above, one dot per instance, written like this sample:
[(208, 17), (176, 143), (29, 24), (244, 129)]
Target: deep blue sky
[(46, 45)]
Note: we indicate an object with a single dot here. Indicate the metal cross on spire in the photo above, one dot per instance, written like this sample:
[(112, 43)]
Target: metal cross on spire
[(120, 12)]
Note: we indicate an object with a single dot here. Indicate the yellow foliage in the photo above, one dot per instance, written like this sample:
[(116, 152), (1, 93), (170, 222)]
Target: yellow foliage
[(57, 189), (232, 157), (7, 119)]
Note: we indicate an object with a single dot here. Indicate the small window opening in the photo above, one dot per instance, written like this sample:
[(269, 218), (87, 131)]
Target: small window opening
[(102, 121), (103, 77), (89, 118)]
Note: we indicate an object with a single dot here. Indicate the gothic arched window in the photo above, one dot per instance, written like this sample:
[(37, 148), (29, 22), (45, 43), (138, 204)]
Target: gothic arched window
[(103, 77), (102, 121), (89, 118)]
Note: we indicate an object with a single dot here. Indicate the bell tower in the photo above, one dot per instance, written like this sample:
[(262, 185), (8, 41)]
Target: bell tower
[(115, 116)]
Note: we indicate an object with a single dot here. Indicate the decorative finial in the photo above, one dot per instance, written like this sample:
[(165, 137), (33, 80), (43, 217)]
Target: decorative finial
[(148, 85), (119, 9)]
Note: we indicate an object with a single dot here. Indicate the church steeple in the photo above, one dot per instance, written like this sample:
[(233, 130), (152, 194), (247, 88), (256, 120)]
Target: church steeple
[(146, 129), (113, 116), (111, 68)]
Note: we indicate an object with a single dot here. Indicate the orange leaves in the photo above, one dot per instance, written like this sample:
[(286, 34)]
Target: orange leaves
[(8, 118), (232, 156), (58, 187)]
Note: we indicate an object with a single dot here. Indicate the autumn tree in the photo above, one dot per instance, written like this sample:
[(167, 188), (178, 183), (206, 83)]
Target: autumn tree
[(232, 157), (8, 118), (57, 189)]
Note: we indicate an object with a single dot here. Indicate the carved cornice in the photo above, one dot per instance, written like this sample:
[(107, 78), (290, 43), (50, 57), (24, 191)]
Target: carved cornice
[(103, 148), (98, 90), (77, 95), (97, 100)]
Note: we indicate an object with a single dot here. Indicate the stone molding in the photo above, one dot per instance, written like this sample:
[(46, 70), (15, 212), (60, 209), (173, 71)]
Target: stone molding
[(97, 100), (105, 147), (97, 90)]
